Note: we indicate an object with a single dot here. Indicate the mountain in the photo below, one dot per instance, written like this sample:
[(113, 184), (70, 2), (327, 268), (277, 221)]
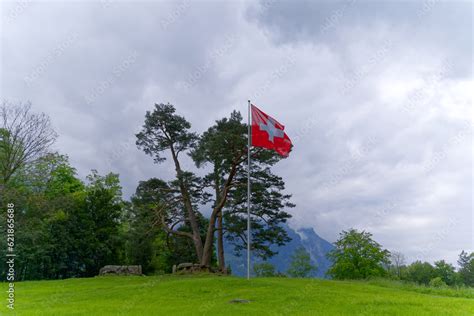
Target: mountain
[(316, 246)]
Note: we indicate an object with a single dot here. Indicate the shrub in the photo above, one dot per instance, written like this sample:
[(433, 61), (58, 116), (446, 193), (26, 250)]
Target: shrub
[(437, 282)]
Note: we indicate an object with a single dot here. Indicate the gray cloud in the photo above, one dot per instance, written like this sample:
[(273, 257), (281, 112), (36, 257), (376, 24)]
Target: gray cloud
[(377, 97)]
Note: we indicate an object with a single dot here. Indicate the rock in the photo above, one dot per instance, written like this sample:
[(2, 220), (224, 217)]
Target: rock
[(182, 266), (121, 270), (190, 268), (174, 269), (239, 301)]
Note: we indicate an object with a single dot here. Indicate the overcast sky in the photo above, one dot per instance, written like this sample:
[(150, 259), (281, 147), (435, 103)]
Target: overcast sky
[(377, 97)]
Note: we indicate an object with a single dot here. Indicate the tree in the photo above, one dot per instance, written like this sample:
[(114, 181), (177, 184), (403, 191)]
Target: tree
[(300, 265), (268, 203), (445, 271), (68, 228), (357, 256), (224, 147), (45, 191), (150, 245), (104, 211), (165, 131), (397, 262), (24, 137), (420, 272), (264, 269), (85, 232), (466, 268), (142, 235)]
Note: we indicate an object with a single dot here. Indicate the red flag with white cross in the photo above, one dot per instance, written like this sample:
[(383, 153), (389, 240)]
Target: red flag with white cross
[(269, 133)]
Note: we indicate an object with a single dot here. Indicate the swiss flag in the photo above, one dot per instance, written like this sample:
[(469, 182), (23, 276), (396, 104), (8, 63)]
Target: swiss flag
[(268, 133)]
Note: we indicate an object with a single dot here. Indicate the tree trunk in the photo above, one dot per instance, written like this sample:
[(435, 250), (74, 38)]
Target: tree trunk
[(220, 202), (220, 244), (194, 224), (208, 245), (220, 231), (189, 208)]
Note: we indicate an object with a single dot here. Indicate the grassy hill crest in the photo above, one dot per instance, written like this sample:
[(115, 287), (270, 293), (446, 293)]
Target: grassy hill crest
[(212, 295)]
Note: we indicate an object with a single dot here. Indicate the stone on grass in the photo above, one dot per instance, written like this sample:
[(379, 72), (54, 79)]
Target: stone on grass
[(121, 270), (239, 301)]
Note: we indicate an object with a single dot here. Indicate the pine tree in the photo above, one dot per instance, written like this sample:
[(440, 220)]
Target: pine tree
[(223, 147)]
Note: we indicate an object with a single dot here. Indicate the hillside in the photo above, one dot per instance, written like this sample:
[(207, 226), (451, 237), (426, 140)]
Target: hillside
[(316, 246), (208, 295)]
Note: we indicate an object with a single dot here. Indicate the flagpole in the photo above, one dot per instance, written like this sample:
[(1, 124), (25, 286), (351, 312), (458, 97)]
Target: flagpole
[(248, 189)]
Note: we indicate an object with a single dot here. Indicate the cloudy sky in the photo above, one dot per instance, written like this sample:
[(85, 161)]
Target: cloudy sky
[(377, 97)]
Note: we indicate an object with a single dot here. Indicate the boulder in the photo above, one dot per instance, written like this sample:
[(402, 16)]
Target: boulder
[(239, 301), (183, 266), (189, 268), (121, 270)]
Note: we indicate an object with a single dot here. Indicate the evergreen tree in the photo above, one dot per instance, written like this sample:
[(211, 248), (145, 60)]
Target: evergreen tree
[(163, 130), (224, 148)]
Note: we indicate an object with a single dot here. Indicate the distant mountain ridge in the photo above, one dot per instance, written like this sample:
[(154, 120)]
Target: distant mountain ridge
[(316, 246)]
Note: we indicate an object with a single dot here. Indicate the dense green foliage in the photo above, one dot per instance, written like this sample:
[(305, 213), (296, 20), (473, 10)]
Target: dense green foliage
[(206, 295), (420, 272), (441, 273), (445, 272), (466, 271), (73, 228), (149, 245), (358, 256)]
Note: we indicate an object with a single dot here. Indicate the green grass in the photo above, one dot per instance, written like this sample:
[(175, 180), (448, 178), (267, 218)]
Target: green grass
[(210, 295), (443, 291)]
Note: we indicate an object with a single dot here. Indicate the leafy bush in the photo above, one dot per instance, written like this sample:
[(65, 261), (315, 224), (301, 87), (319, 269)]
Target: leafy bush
[(437, 283)]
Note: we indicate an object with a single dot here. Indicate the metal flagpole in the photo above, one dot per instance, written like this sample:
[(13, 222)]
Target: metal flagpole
[(248, 190)]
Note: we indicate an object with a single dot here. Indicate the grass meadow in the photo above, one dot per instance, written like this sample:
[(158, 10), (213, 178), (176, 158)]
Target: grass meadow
[(211, 295)]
